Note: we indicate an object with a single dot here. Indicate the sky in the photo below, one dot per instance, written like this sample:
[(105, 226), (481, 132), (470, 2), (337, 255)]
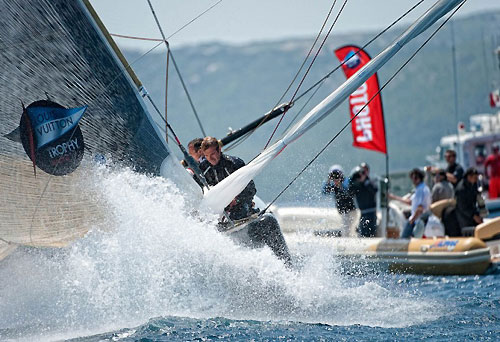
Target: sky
[(241, 22)]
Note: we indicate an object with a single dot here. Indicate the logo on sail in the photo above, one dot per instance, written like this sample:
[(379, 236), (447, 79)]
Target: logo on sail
[(51, 137)]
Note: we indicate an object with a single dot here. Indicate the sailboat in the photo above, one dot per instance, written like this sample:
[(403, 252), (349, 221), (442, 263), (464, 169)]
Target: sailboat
[(72, 102), (58, 55)]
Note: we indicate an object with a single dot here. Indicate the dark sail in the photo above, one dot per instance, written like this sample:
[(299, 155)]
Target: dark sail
[(54, 53)]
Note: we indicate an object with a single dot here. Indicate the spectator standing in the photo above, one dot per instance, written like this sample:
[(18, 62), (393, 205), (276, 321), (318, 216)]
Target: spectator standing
[(467, 209), (365, 191), (344, 199), (454, 172), (492, 171), (420, 202), (442, 189)]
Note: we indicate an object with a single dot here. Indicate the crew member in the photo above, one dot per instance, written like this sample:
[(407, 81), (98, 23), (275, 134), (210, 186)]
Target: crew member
[(218, 166), (265, 229), (194, 149)]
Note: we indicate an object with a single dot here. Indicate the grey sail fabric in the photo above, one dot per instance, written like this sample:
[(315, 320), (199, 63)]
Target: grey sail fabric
[(53, 53)]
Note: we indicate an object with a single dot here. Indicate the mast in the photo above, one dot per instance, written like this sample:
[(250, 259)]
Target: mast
[(222, 194)]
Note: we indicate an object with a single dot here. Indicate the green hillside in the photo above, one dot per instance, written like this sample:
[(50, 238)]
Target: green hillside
[(233, 85)]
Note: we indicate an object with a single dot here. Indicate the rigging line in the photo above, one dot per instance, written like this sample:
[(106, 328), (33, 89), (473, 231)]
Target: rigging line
[(246, 136), (308, 69), (173, 34), (320, 83), (157, 21), (357, 52), (187, 93), (166, 71), (308, 54), (304, 106), (352, 119), (194, 19), (169, 53), (135, 37)]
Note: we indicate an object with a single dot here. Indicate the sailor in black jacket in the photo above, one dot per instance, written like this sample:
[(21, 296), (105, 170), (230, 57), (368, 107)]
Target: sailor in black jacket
[(216, 166)]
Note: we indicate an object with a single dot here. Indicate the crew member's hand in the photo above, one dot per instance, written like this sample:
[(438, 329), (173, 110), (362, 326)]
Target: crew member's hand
[(233, 203), (478, 219)]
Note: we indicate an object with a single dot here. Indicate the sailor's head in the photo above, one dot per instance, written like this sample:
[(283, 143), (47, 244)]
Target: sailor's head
[(194, 148), (495, 149), (211, 150)]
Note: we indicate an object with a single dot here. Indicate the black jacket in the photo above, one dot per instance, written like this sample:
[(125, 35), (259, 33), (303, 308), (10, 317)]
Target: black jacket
[(365, 194), (215, 173), (343, 197), (457, 171), (466, 195)]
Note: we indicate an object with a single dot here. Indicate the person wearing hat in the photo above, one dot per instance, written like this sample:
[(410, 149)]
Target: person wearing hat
[(467, 208), (337, 185), (492, 171), (365, 191)]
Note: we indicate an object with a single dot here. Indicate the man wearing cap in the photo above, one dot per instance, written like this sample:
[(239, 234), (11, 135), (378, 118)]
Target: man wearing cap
[(336, 184), (492, 171)]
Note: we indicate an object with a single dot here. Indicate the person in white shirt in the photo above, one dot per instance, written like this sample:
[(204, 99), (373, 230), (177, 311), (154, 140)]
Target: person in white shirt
[(420, 202)]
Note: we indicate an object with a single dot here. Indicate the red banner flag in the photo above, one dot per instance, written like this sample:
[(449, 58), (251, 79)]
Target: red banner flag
[(368, 129)]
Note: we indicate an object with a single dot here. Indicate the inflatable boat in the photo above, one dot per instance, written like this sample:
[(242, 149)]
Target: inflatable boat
[(305, 228)]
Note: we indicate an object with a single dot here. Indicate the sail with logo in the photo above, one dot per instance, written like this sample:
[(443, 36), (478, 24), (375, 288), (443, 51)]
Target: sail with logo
[(68, 99)]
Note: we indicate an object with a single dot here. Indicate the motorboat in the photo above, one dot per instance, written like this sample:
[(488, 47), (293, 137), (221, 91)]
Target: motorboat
[(306, 227)]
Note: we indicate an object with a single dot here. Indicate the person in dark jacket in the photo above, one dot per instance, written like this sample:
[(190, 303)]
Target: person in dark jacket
[(337, 185), (216, 166), (466, 192), (454, 172), (265, 229), (365, 191)]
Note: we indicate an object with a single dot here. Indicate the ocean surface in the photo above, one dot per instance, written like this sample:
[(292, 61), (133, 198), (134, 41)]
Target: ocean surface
[(153, 272)]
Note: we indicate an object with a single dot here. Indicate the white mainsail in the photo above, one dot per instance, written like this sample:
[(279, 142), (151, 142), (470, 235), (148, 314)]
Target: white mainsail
[(218, 197)]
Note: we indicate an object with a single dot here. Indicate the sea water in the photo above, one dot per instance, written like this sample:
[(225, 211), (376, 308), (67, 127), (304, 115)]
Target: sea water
[(152, 271)]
